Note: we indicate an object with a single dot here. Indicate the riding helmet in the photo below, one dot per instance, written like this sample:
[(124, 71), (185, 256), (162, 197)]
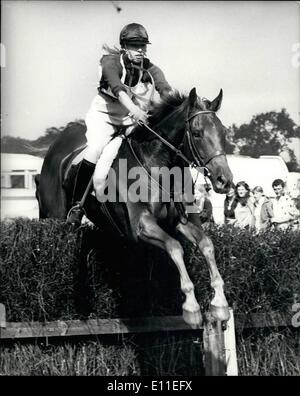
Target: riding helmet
[(134, 33)]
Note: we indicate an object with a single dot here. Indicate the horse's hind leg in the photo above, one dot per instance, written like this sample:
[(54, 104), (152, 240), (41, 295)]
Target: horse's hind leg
[(195, 234), (149, 231)]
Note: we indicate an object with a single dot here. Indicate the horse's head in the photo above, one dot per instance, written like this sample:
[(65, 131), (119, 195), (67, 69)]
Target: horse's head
[(205, 138)]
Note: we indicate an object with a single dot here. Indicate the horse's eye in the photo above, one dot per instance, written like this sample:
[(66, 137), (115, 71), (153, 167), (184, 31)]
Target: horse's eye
[(198, 133)]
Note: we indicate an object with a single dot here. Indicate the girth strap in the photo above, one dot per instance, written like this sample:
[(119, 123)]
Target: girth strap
[(109, 217)]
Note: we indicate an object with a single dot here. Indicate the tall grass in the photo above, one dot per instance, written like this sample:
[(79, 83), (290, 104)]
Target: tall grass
[(269, 353), (260, 353), (82, 359)]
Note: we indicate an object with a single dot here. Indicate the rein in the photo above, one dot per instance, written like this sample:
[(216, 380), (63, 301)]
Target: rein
[(198, 161), (166, 143), (179, 206)]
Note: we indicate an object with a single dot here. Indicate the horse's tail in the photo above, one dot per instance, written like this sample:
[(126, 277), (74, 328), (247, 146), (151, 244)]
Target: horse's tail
[(51, 193), (37, 182), (37, 195)]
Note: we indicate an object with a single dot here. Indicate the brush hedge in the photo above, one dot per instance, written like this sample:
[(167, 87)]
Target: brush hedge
[(48, 272)]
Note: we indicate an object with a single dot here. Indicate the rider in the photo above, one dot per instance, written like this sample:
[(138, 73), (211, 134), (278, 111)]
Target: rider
[(125, 90)]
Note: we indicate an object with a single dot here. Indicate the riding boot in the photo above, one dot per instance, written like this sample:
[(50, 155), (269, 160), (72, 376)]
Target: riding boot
[(82, 182)]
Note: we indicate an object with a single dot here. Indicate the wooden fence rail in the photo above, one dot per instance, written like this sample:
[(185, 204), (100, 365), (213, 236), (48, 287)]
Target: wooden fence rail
[(219, 342)]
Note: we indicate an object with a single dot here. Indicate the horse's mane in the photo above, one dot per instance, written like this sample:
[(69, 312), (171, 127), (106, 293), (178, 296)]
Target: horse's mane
[(158, 111), (166, 106)]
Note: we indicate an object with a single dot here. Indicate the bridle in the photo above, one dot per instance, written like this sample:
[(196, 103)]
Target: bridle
[(198, 161), (197, 158)]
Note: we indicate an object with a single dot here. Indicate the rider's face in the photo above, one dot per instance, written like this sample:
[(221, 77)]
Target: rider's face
[(136, 52)]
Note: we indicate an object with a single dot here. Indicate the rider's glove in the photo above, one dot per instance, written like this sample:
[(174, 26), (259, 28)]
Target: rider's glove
[(138, 115)]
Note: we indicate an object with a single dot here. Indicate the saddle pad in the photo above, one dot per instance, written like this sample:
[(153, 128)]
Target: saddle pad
[(79, 157)]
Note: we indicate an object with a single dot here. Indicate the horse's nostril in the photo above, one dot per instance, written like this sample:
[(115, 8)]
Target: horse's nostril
[(228, 185), (221, 180)]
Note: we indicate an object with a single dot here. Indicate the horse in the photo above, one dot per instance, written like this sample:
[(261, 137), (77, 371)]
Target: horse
[(181, 129)]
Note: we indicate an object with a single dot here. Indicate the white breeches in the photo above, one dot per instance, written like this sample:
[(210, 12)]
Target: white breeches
[(99, 132)]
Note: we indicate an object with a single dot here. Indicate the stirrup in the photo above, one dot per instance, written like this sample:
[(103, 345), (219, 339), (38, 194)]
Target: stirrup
[(76, 210)]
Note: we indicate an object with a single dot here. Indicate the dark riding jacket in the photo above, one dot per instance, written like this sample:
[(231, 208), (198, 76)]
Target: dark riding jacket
[(229, 206), (112, 72)]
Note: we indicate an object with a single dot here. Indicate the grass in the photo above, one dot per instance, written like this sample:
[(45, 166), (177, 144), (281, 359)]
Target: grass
[(82, 359), (269, 353), (260, 353)]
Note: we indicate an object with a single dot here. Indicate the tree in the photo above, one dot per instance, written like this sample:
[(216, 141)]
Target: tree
[(266, 134), (39, 146), (10, 144), (231, 146), (50, 135)]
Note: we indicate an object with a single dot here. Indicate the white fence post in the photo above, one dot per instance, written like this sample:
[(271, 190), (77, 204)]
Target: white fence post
[(230, 347), (2, 316), (213, 345)]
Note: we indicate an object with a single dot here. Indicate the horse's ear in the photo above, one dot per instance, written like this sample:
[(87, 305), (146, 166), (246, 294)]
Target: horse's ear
[(193, 98), (216, 103)]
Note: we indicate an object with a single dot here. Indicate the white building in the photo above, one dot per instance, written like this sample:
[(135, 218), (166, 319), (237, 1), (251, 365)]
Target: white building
[(18, 186)]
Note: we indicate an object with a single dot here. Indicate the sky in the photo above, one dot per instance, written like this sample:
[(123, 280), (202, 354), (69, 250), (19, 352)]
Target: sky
[(50, 52)]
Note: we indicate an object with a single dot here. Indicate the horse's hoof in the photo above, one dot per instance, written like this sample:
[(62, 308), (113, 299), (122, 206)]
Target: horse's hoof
[(220, 313), (194, 319)]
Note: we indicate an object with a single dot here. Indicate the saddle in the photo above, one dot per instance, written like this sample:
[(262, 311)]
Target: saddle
[(69, 166)]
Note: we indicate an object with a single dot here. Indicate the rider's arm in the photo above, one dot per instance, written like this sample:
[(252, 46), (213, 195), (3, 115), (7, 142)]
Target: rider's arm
[(161, 84), (111, 70), (134, 111), (111, 75)]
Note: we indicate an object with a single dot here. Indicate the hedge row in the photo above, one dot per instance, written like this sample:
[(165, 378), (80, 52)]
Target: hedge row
[(43, 274)]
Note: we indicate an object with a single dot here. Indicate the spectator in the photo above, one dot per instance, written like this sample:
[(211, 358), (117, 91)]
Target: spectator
[(204, 204), (284, 209), (263, 209), (297, 204), (297, 199), (229, 206), (243, 206)]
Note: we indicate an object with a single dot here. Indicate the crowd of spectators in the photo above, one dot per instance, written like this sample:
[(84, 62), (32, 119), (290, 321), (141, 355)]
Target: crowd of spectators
[(248, 208), (252, 209)]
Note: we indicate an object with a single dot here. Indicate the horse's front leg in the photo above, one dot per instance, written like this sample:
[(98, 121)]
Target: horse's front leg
[(149, 231), (193, 231)]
